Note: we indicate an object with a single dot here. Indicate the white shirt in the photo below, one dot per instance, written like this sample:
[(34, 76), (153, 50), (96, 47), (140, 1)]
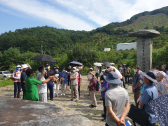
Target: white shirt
[(42, 88)]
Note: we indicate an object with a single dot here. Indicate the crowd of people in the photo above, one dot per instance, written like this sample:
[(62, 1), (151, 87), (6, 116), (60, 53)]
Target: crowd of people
[(145, 87)]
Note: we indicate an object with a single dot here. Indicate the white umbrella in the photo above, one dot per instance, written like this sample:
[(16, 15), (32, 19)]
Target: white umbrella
[(118, 72), (97, 64)]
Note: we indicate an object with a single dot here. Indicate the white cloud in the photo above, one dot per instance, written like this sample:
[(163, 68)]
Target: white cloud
[(84, 14), (103, 12), (49, 12)]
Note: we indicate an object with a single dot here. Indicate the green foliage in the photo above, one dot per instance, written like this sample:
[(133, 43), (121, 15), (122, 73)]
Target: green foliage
[(87, 47), (4, 83), (87, 56), (11, 56)]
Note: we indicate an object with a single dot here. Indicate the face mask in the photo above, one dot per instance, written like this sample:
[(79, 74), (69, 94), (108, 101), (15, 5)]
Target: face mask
[(135, 70), (18, 69), (74, 71), (63, 70), (56, 70), (141, 81), (49, 67)]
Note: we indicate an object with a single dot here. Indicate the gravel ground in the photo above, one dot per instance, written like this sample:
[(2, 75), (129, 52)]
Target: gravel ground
[(79, 108)]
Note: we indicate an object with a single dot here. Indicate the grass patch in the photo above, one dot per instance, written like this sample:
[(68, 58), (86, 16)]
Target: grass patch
[(96, 113), (4, 83), (68, 109)]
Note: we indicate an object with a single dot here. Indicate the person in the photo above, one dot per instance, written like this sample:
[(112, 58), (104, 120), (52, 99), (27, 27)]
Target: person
[(119, 67), (69, 81), (118, 106), (42, 88), (136, 85), (150, 93), (23, 77), (64, 76), (156, 68), (17, 85), (92, 89), (31, 85), (134, 70), (127, 74), (89, 77), (164, 69), (102, 77), (57, 82), (97, 72), (122, 80), (159, 85), (79, 81), (103, 90), (74, 84), (50, 83)]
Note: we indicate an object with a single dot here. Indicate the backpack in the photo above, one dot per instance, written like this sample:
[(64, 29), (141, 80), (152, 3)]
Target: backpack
[(97, 86)]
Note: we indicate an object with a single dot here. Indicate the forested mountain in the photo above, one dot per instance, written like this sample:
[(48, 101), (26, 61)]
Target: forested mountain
[(56, 41)]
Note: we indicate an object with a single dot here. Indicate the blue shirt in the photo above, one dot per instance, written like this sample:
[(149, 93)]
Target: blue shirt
[(64, 75), (150, 93), (136, 79)]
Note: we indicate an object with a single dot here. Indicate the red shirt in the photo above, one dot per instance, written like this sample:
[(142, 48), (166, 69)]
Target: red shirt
[(94, 82)]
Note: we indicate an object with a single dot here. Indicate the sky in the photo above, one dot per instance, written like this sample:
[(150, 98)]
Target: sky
[(70, 14)]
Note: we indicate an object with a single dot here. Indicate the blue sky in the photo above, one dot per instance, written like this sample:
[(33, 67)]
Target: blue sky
[(70, 14)]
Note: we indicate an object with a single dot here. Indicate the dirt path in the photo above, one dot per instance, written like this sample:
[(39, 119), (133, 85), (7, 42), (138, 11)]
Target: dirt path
[(71, 107)]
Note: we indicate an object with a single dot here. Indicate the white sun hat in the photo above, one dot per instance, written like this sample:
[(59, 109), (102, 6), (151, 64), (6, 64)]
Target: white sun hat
[(24, 66)]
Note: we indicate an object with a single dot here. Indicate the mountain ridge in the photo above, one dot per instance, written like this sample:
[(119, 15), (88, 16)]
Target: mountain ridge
[(56, 41)]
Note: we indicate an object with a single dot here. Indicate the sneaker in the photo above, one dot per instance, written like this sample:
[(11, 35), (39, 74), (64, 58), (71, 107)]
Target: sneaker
[(71, 100), (94, 106), (103, 115), (69, 89), (64, 94), (76, 101), (61, 94), (104, 119), (91, 105)]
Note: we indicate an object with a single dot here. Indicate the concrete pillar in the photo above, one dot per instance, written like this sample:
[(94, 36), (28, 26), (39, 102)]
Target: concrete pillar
[(144, 53), (144, 47)]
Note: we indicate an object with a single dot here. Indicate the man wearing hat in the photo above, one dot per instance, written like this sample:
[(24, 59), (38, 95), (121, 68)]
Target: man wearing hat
[(50, 83), (74, 84), (116, 101), (23, 77), (92, 89), (150, 93)]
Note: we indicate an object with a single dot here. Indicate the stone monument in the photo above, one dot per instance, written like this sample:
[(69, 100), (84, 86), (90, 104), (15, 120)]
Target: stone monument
[(144, 47)]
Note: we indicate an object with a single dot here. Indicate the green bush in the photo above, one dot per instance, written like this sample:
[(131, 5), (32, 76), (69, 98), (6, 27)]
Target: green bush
[(85, 71), (7, 82)]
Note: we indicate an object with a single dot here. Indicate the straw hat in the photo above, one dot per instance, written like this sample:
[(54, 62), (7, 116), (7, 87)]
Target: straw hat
[(93, 73)]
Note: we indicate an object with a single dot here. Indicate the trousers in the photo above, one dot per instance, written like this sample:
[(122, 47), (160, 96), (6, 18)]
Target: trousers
[(127, 79), (136, 96), (24, 90), (74, 91), (93, 97), (104, 107), (43, 97), (63, 88), (79, 90), (50, 87), (17, 89), (97, 75)]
